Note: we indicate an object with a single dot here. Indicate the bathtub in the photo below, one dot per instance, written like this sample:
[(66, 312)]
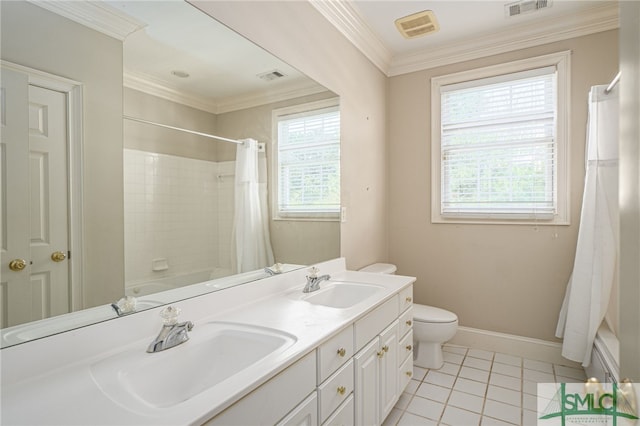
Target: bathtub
[(604, 356)]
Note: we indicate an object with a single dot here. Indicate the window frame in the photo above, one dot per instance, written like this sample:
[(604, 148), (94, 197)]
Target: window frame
[(307, 107), (561, 62)]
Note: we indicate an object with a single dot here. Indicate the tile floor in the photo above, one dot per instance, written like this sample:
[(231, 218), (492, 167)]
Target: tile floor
[(476, 387)]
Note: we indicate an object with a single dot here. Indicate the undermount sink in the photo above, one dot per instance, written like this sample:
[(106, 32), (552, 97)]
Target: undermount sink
[(215, 352), (341, 294)]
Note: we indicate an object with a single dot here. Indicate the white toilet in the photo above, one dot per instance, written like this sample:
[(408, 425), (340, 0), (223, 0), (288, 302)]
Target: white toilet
[(431, 326)]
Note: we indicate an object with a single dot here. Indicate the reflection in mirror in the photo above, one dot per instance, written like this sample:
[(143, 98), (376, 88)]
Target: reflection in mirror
[(181, 234)]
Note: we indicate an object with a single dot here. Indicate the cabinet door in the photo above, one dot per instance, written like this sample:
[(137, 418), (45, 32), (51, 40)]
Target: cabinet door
[(388, 365), (367, 385)]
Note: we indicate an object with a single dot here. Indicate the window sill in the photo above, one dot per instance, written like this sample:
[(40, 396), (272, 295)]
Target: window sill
[(306, 219), (500, 221)]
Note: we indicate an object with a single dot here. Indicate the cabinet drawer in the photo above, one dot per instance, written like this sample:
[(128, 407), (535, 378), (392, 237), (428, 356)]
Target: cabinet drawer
[(370, 325), (405, 347), (334, 353), (335, 390), (405, 372), (343, 415), (305, 414), (405, 298), (406, 322)]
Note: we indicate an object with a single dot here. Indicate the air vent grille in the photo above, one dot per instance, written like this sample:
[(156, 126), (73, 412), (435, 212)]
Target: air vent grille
[(417, 24), (271, 75), (526, 6)]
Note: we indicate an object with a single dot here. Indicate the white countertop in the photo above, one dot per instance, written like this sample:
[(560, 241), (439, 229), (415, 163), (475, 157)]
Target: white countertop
[(49, 381)]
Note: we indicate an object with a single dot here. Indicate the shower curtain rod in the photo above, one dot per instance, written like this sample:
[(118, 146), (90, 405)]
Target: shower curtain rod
[(613, 83), (193, 132)]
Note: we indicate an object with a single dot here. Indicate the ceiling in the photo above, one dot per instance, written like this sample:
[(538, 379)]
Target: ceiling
[(468, 28), (165, 36), (174, 51)]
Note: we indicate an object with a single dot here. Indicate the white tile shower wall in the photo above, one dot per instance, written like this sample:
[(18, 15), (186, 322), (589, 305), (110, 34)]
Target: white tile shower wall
[(172, 207)]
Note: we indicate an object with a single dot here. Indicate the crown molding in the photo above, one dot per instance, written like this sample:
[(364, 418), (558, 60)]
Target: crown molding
[(94, 15), (597, 19), (344, 17), (146, 84), (257, 99), (348, 21)]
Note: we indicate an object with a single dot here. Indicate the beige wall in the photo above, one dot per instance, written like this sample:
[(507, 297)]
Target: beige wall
[(327, 57), (151, 138), (504, 278), (36, 38), (293, 241), (629, 191)]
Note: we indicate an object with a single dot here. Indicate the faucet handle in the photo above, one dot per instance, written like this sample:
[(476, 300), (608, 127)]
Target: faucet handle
[(313, 272), (169, 315)]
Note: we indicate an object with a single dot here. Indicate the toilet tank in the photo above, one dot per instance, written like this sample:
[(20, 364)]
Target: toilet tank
[(380, 268)]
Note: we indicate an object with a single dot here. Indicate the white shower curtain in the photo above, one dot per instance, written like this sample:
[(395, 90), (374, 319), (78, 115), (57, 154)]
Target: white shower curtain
[(251, 241), (594, 270)]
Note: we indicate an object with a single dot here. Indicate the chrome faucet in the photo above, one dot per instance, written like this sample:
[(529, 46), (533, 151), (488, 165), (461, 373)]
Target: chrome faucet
[(172, 333), (273, 270), (313, 280), (125, 306)]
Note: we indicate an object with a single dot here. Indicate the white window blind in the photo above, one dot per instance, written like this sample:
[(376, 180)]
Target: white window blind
[(309, 163), (498, 146)]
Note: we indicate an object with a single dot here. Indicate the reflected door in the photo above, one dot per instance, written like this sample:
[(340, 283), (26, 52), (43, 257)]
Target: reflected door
[(34, 225)]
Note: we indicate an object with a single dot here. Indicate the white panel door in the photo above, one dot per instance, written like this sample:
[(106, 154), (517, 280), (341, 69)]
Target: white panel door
[(14, 162), (35, 215), (49, 227)]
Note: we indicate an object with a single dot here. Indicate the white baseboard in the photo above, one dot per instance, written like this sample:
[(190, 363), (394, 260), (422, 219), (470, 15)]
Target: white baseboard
[(526, 347)]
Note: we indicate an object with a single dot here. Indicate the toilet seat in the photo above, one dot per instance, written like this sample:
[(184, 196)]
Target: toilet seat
[(431, 314)]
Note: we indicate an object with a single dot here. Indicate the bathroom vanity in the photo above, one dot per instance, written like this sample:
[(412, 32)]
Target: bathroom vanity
[(260, 353)]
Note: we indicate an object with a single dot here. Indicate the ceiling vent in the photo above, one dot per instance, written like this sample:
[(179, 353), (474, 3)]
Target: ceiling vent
[(271, 75), (526, 6), (418, 24)]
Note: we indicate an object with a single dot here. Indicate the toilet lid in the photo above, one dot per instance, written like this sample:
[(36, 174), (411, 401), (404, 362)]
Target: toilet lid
[(424, 313), (380, 268)]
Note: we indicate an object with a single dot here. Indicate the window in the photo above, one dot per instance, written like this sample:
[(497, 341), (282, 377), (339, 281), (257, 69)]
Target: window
[(307, 161), (499, 143)]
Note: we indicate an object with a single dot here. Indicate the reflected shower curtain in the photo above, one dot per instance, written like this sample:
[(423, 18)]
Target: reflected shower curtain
[(594, 271), (251, 242)]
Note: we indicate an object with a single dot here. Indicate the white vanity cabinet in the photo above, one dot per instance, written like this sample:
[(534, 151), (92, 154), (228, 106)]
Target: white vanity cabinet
[(311, 364), (405, 339), (353, 378), (335, 378), (377, 378), (380, 366)]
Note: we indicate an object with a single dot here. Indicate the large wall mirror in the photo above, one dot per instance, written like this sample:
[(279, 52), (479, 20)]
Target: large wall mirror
[(173, 128)]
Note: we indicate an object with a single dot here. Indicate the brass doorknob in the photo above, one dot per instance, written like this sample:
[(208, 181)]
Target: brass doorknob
[(17, 264), (342, 352), (58, 256)]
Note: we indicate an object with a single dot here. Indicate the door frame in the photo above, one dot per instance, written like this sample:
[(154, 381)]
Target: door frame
[(74, 95)]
